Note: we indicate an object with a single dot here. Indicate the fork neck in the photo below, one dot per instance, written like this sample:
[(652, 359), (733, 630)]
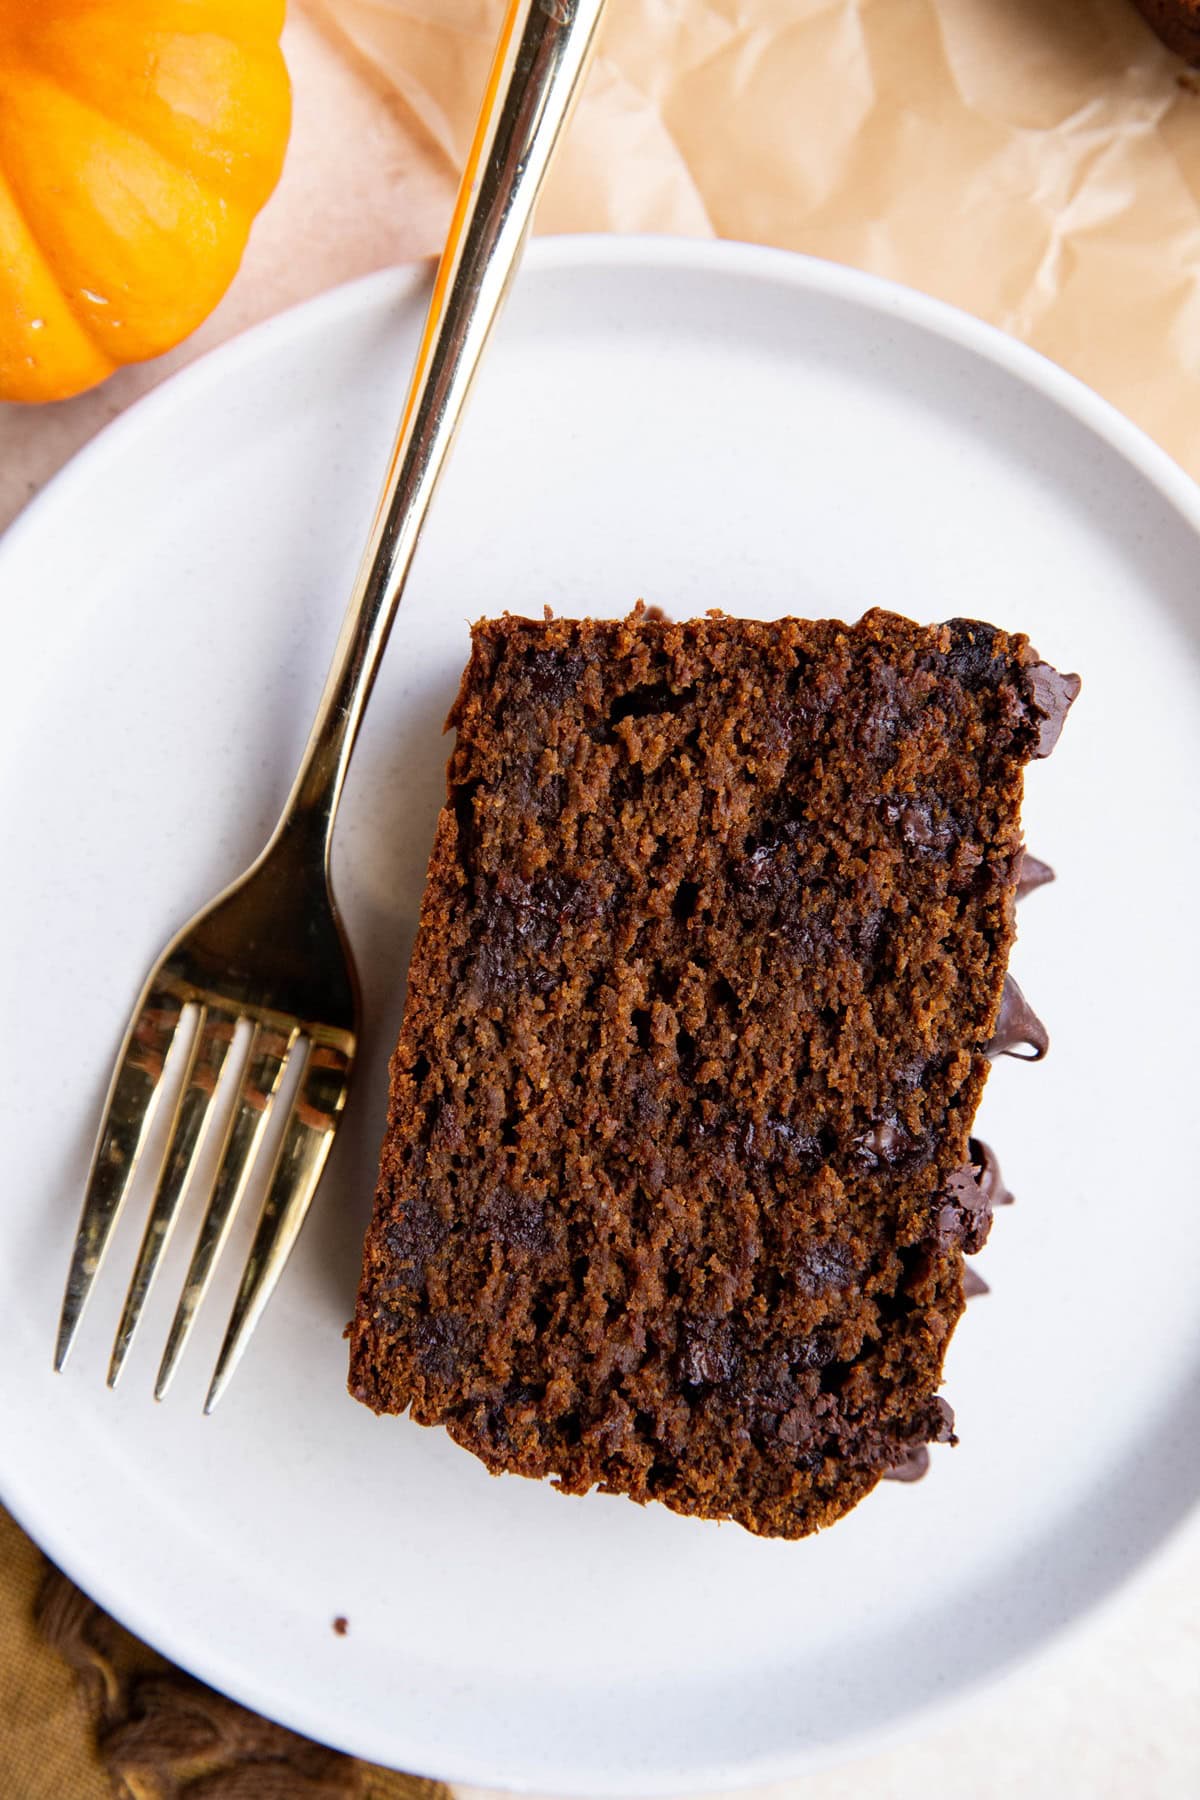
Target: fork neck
[(536, 72)]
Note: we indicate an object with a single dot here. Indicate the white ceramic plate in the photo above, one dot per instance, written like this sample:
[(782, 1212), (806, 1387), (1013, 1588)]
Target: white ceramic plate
[(705, 425)]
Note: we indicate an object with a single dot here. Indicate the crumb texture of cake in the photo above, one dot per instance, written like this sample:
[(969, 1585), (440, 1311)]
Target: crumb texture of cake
[(677, 1178)]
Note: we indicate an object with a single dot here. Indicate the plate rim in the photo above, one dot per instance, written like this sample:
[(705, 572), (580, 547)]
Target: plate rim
[(692, 258), (857, 287)]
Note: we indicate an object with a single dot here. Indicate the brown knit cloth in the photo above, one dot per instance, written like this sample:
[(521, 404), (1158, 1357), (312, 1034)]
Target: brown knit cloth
[(154, 1732)]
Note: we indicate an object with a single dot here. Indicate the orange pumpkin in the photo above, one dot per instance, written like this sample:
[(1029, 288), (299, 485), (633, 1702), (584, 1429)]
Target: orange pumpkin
[(138, 139)]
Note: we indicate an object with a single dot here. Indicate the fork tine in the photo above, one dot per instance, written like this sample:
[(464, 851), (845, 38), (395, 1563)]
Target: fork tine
[(189, 1127), (315, 1114), (269, 1048), (128, 1114)]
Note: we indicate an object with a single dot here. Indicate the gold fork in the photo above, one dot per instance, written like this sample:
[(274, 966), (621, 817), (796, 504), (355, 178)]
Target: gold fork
[(269, 955)]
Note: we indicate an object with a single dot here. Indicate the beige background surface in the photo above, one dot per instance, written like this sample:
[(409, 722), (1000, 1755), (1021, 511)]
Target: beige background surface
[(1072, 217)]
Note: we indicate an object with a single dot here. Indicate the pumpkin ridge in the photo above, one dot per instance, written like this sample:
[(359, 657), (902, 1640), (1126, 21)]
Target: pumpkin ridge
[(239, 216), (266, 57), (44, 72), (253, 25), (81, 318), (139, 140)]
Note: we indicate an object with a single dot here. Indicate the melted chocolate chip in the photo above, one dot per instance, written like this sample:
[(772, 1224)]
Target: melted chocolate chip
[(550, 676), (1031, 873), (972, 657), (991, 1181), (1018, 1024), (413, 1240), (441, 1343), (914, 1466), (796, 1425), (516, 1221), (1050, 699), (707, 1352), (884, 1142), (518, 931), (965, 1214), (816, 1352), (823, 1265), (390, 1319), (914, 1074), (918, 826), (778, 1142), (945, 1431)]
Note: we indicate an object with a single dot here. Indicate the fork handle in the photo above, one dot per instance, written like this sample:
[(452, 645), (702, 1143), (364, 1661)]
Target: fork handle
[(539, 60)]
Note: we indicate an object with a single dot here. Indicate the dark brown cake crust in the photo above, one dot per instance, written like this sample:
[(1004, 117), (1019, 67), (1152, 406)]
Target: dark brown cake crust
[(676, 1183)]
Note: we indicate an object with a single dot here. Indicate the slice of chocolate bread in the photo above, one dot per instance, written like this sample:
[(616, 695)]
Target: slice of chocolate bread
[(677, 1181)]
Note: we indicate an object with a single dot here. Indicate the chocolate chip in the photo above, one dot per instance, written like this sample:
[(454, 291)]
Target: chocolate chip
[(884, 1142), (707, 1352), (816, 1352), (518, 929), (918, 826), (920, 1071), (944, 1434), (390, 1319), (991, 1181), (441, 1345), (1050, 699), (796, 1425), (913, 1467), (1017, 1024), (516, 1220), (870, 939), (1031, 873), (971, 656), (876, 730), (973, 1284), (413, 1240), (779, 1143), (824, 1264), (963, 1188), (552, 675), (965, 1214), (644, 1096)]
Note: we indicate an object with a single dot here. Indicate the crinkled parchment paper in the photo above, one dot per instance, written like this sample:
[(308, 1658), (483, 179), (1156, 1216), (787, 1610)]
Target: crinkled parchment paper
[(1035, 161)]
